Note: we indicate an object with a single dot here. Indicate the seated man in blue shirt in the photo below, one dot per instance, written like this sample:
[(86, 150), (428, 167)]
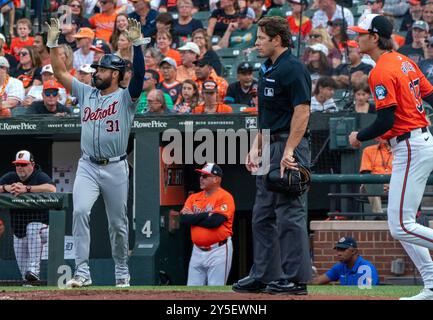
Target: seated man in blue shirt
[(352, 270)]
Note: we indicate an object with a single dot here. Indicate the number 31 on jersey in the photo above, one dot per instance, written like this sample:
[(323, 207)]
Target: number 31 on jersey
[(112, 126)]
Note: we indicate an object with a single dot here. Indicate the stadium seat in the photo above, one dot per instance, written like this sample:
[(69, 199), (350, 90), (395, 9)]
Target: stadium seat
[(309, 13), (203, 16), (228, 53), (238, 107)]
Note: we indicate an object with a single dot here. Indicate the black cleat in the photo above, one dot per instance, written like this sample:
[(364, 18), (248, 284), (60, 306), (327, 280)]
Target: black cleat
[(286, 287), (31, 276), (249, 285)]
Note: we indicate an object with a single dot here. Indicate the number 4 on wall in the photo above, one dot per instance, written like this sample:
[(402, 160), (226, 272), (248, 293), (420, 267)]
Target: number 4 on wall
[(147, 230)]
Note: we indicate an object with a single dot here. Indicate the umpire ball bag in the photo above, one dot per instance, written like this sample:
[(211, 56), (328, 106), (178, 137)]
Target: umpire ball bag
[(293, 182)]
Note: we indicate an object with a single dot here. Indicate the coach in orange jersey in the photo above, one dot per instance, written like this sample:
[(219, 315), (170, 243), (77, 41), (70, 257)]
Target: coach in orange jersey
[(210, 214), (399, 89)]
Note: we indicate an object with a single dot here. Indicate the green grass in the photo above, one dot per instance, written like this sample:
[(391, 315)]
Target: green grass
[(380, 291)]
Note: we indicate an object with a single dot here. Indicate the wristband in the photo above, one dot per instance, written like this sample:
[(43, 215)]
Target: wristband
[(141, 41)]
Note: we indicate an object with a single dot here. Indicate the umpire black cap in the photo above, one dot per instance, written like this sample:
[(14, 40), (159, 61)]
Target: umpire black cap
[(110, 61)]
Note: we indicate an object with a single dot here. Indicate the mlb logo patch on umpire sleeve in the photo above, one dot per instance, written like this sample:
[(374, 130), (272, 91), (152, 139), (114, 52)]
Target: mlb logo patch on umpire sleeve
[(269, 92), (380, 92)]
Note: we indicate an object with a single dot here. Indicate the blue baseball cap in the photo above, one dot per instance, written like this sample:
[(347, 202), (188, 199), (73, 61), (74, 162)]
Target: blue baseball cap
[(345, 243)]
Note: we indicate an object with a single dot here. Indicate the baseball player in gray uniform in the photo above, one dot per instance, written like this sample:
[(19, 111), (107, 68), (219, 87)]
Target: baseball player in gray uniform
[(107, 113)]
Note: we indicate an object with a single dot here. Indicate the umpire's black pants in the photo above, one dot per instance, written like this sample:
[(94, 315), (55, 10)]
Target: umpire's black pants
[(279, 223)]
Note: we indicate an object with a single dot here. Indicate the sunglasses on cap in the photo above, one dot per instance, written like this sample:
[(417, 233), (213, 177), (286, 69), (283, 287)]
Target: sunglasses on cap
[(51, 93)]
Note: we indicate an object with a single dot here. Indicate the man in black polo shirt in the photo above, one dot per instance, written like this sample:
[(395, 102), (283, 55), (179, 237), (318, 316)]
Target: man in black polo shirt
[(30, 227), (50, 101), (282, 262), (242, 90)]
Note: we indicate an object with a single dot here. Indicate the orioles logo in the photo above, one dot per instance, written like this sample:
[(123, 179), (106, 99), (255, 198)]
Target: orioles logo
[(26, 80), (224, 207), (20, 155), (173, 92)]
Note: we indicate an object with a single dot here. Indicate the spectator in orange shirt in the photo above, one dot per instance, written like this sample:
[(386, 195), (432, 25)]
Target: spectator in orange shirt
[(211, 104), (24, 28), (204, 71), (104, 22), (163, 42), (376, 159), (190, 53), (295, 18)]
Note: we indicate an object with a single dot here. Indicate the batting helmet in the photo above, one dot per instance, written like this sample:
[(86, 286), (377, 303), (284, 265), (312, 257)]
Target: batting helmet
[(110, 61), (293, 182)]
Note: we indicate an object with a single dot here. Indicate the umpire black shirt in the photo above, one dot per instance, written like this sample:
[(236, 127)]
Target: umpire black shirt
[(282, 86), (20, 218)]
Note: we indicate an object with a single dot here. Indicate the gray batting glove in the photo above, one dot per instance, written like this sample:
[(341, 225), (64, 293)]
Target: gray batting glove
[(134, 33), (53, 33)]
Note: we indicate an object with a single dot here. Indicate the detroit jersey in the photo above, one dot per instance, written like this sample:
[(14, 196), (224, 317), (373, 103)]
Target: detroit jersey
[(397, 80), (105, 120)]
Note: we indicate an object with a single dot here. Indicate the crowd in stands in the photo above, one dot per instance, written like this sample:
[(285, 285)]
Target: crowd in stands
[(187, 66)]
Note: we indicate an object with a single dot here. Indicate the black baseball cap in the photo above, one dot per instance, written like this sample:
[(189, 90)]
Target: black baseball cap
[(245, 67), (212, 169), (346, 243), (374, 23), (101, 46), (203, 62)]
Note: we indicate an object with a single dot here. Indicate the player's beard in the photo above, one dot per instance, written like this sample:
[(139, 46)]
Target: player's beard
[(102, 84)]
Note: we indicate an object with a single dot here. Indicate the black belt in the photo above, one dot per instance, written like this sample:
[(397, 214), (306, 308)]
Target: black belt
[(406, 135), (279, 137), (104, 162), (221, 243), (283, 136)]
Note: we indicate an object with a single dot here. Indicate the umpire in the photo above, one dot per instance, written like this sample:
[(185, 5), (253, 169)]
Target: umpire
[(281, 249)]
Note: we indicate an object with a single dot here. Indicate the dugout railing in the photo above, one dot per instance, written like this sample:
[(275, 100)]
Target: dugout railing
[(335, 180)]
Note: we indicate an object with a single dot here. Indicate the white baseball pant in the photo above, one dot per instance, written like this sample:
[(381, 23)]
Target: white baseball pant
[(412, 165), (28, 250), (210, 267)]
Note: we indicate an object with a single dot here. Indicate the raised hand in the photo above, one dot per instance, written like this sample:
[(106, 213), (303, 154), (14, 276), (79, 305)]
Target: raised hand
[(134, 31), (53, 33)]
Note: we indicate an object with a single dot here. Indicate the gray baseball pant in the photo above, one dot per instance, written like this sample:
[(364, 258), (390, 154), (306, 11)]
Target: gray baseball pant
[(112, 182)]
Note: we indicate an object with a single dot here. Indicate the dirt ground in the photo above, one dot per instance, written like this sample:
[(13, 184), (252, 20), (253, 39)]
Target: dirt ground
[(163, 295)]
